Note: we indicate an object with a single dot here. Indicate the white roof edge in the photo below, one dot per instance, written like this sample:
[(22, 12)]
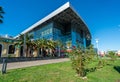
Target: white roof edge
[(57, 11)]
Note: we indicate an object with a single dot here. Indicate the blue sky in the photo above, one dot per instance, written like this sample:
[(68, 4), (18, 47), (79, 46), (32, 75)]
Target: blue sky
[(101, 16)]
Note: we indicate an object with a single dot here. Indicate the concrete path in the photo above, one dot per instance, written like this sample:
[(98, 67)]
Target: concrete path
[(15, 65)]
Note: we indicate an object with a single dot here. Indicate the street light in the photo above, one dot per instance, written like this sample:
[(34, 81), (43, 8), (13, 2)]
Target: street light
[(97, 40)]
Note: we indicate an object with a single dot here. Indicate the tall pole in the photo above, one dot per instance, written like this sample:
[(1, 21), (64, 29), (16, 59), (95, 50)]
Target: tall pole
[(24, 47), (97, 40)]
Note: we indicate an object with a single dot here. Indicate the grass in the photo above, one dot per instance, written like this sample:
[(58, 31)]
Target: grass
[(61, 72)]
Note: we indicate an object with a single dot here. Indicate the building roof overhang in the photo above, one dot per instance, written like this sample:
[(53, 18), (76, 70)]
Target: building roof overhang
[(64, 14)]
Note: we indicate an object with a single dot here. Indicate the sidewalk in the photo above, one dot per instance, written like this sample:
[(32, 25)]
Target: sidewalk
[(33, 63)]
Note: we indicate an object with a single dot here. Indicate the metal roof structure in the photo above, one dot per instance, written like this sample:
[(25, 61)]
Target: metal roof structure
[(64, 14)]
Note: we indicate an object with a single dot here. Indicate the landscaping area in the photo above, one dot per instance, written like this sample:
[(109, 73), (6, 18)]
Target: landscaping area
[(62, 72)]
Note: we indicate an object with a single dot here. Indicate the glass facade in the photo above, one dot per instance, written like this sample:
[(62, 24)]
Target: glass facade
[(67, 33), (45, 31), (62, 32), (78, 36)]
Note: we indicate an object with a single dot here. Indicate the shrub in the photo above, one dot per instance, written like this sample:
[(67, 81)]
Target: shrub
[(9, 56), (78, 61), (112, 55), (81, 58)]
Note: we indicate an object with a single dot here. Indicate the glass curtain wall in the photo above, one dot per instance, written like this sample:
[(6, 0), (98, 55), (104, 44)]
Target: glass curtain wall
[(45, 31)]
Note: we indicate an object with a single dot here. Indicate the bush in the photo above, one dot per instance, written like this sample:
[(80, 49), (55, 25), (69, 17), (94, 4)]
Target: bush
[(112, 55), (81, 58), (10, 55)]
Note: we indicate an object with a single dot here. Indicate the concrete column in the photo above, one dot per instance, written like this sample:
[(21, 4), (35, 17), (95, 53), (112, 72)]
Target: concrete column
[(4, 50), (35, 53), (17, 52)]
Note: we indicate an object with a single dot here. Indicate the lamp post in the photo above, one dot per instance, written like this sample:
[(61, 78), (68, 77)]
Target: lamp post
[(97, 40)]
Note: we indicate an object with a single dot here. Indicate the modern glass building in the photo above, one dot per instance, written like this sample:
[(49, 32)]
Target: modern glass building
[(63, 24)]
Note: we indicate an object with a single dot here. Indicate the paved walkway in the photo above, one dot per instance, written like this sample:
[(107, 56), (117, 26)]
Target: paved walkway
[(15, 65)]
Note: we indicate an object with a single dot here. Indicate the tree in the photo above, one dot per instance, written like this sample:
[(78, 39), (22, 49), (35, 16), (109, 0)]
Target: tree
[(51, 44), (81, 58), (112, 55), (90, 53), (78, 61), (69, 43), (44, 43), (41, 43), (1, 12), (28, 42), (60, 46)]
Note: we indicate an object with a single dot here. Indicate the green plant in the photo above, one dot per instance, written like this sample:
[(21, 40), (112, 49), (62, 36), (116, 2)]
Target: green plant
[(59, 72), (78, 61), (1, 12), (81, 58), (10, 55), (112, 55), (101, 63)]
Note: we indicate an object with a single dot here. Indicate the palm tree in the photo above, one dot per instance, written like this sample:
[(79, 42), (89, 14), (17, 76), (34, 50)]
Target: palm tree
[(1, 12), (52, 45), (36, 44), (60, 45), (42, 44), (28, 43)]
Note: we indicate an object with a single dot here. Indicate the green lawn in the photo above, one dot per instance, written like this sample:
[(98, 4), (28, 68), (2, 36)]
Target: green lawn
[(60, 72)]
